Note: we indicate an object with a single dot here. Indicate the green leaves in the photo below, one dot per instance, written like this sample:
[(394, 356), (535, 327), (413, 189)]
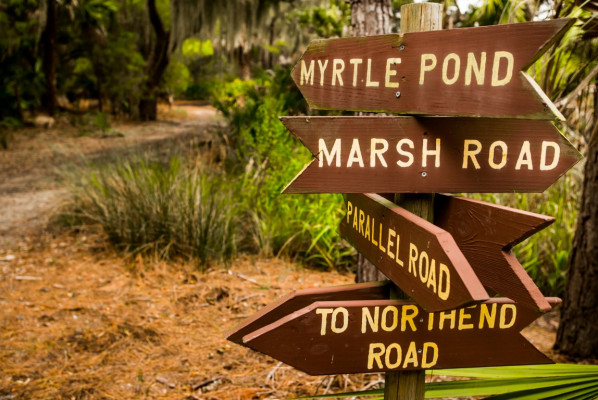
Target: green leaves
[(558, 381)]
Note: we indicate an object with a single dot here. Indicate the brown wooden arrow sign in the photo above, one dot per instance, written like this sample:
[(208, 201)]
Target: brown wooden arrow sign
[(419, 257), (485, 234), (303, 298), (458, 72), (428, 155), (389, 335)]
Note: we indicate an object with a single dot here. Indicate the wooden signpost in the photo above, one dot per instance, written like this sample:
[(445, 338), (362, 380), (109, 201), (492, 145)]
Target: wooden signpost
[(419, 257), (446, 263), (458, 72), (337, 337), (425, 155)]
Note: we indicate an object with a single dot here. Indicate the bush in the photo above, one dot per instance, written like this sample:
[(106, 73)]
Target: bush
[(172, 211), (304, 227)]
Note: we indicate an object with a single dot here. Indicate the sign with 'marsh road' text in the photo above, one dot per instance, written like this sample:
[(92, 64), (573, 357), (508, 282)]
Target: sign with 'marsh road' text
[(419, 257), (428, 155), (390, 335), (457, 72)]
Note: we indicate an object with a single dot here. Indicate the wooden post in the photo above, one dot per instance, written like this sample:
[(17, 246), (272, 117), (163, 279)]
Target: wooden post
[(416, 17)]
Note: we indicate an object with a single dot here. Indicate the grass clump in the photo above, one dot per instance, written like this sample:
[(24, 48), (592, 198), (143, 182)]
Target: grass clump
[(267, 157), (173, 210)]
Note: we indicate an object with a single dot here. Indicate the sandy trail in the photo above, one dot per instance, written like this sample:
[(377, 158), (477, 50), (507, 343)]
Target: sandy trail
[(30, 190)]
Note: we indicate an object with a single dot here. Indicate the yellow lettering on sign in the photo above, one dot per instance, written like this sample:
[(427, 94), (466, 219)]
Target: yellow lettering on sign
[(463, 317), (450, 315), (349, 210), (378, 152), (402, 152), (361, 221), (368, 81), (338, 66), (355, 62), (487, 316), (413, 253), (492, 151), (435, 153), (334, 327), (397, 362), (389, 243), (329, 156), (397, 259), (444, 282), (456, 68), (430, 350), (322, 69), (411, 356), (555, 157), (424, 261), (307, 74), (468, 153), (408, 314), (368, 320), (428, 63), (324, 312), (525, 157), (478, 69), (498, 56), (503, 324), (375, 354), (355, 154), (390, 73), (394, 321)]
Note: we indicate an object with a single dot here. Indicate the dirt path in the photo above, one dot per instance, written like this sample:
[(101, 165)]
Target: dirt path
[(29, 185)]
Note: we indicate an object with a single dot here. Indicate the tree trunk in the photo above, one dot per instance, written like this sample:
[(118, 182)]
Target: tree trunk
[(157, 63), (370, 17), (578, 330), (49, 57)]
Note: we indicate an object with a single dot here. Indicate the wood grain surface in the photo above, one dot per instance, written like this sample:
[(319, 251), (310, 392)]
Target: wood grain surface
[(390, 335), (458, 72), (428, 155), (485, 234)]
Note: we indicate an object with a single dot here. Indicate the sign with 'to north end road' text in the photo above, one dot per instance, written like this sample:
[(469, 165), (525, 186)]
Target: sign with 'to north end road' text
[(340, 337)]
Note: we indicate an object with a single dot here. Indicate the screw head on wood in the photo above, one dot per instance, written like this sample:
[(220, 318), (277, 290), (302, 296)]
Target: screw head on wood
[(398, 94), (424, 174)]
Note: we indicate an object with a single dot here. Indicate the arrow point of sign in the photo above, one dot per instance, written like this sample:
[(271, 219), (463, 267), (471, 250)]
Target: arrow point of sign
[(486, 233)]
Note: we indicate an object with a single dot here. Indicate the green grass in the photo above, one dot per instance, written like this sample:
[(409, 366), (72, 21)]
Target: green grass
[(181, 209)]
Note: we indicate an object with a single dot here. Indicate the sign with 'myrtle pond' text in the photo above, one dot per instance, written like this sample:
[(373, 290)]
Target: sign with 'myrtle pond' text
[(467, 72)]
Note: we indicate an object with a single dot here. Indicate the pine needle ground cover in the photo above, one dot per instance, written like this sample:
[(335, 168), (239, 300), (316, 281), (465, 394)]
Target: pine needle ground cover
[(81, 321)]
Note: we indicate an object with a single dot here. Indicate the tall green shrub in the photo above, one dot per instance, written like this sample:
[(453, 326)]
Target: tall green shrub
[(172, 210)]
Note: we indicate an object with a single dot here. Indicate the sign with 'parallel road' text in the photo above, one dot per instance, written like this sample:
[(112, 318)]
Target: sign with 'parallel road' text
[(458, 72), (419, 257)]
